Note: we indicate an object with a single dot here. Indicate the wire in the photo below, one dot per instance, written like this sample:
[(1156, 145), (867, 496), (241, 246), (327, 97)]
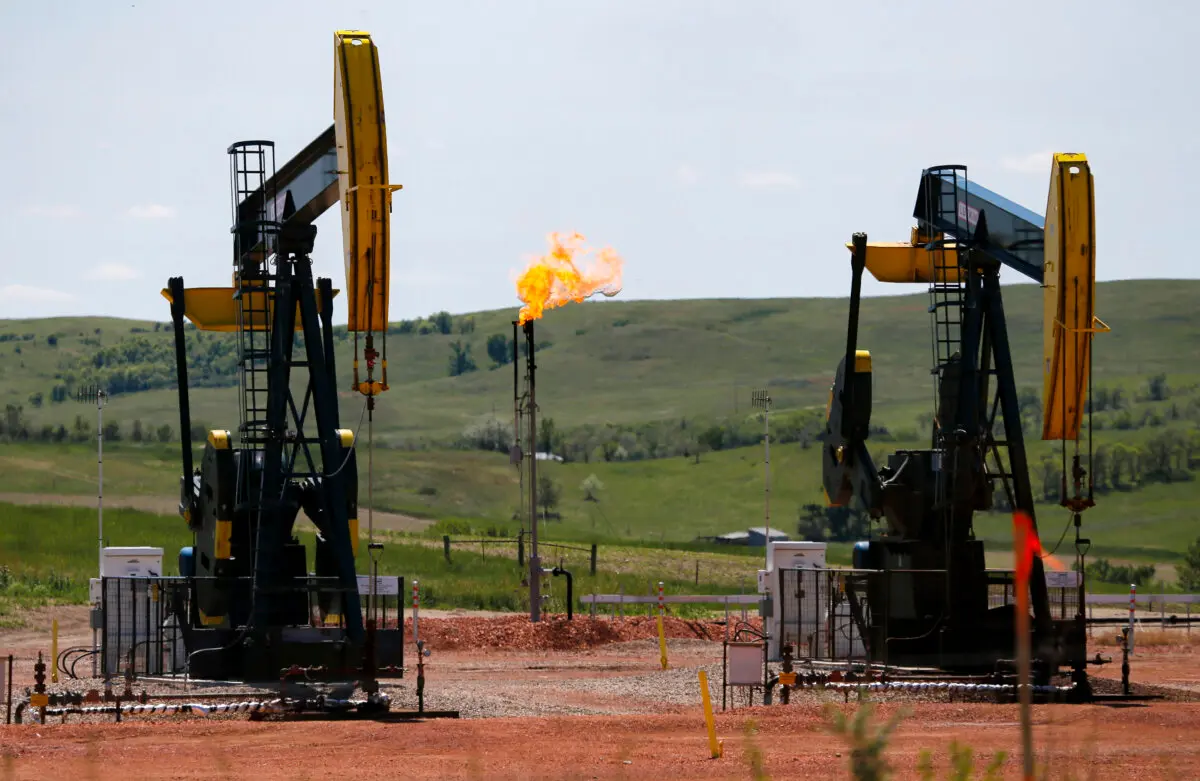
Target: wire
[(350, 451), (1060, 539)]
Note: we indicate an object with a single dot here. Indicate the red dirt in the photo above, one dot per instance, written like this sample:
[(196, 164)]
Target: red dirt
[(554, 632), (1137, 741), (1088, 741)]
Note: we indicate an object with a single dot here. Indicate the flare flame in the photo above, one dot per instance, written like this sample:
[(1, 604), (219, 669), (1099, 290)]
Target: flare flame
[(555, 279)]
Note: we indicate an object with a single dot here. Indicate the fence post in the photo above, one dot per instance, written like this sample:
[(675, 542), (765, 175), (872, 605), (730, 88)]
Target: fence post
[(521, 548), (446, 547), (416, 609), (593, 566), (8, 686)]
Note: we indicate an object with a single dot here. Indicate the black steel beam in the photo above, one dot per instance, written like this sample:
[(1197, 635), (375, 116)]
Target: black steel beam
[(1004, 230), (187, 493), (311, 179), (325, 408), (1018, 461)]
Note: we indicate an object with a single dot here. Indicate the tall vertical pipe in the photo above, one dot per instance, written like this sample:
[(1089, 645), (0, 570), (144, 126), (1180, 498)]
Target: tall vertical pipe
[(535, 564)]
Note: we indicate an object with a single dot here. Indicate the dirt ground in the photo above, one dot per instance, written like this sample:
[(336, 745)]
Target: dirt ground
[(604, 708)]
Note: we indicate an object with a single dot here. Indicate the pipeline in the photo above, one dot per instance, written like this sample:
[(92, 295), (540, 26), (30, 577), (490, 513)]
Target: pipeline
[(257, 707), (570, 591)]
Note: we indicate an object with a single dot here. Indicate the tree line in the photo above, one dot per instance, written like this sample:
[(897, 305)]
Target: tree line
[(681, 437)]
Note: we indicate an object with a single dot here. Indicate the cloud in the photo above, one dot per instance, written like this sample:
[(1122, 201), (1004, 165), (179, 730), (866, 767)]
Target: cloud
[(113, 272), (1036, 163), (686, 175), (36, 295), (768, 180), (151, 211), (61, 211)]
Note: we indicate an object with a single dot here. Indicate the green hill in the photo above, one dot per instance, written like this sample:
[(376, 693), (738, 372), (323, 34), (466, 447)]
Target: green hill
[(600, 363), (635, 390)]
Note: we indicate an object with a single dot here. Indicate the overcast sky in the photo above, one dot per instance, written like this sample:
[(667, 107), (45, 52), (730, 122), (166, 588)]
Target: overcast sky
[(724, 149)]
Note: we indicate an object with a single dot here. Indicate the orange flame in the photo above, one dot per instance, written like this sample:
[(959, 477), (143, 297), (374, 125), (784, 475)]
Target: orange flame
[(554, 279)]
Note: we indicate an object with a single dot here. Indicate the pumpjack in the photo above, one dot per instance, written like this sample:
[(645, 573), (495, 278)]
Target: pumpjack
[(252, 608), (928, 600)]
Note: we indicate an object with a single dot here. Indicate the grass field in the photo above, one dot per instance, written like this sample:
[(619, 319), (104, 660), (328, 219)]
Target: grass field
[(663, 501), (48, 553), (627, 362)]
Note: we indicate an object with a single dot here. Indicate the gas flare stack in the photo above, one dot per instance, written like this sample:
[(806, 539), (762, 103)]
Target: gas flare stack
[(548, 282)]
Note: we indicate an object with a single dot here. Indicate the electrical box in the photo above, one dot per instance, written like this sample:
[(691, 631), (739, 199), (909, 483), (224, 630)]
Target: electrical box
[(796, 554), (131, 562), (783, 555)]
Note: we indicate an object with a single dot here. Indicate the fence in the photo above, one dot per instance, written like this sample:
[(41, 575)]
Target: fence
[(552, 548), (831, 614), (140, 615)]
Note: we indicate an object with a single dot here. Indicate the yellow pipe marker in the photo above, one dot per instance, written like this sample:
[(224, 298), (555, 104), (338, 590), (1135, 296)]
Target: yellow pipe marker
[(54, 651), (662, 635), (715, 747)]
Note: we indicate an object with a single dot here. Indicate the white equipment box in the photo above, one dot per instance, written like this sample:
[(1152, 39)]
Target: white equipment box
[(784, 554), (142, 562)]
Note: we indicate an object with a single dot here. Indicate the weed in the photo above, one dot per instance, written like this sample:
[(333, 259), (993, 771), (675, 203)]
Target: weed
[(867, 743)]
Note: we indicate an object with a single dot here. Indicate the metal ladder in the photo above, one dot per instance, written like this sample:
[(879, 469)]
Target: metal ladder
[(252, 165), (947, 297), (947, 289)]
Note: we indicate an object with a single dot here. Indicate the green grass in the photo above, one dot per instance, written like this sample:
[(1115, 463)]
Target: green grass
[(664, 502), (626, 362), (48, 554)]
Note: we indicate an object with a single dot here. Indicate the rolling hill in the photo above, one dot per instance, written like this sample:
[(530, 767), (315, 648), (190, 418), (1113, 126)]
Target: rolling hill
[(644, 376), (599, 363)]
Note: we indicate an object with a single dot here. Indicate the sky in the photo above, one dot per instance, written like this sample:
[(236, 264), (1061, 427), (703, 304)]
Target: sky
[(724, 149)]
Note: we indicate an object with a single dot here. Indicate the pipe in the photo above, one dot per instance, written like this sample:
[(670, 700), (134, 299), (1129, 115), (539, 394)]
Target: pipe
[(535, 565), (570, 590)]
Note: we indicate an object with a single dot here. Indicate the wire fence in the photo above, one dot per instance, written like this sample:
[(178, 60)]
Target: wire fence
[(143, 620)]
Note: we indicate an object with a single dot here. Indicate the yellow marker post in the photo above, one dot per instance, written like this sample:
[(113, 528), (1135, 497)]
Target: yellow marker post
[(54, 651), (662, 634), (716, 748)]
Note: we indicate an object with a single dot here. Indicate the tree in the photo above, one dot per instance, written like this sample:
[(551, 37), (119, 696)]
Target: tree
[(1101, 467), (52, 340), (136, 433), (460, 359), (1189, 570), (1050, 472), (548, 494), (713, 437), (500, 349), (164, 433), (443, 322), (1157, 388), (591, 487), (35, 399), (548, 436)]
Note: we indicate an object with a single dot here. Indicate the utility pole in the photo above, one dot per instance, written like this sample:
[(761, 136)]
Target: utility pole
[(762, 400), (97, 394)]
